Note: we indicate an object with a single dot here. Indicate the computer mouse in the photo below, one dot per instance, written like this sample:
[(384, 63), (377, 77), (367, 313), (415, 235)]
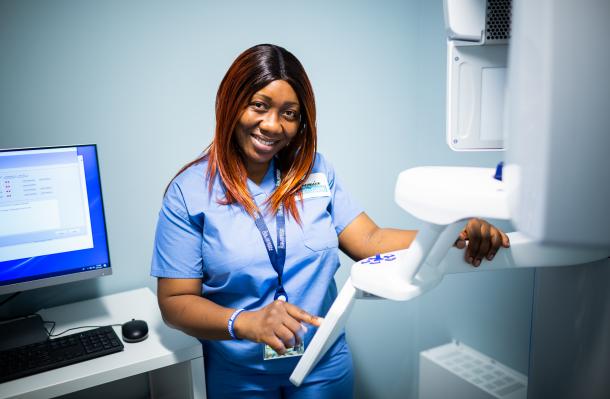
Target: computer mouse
[(134, 331)]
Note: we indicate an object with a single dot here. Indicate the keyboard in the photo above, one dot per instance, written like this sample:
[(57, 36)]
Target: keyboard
[(53, 353)]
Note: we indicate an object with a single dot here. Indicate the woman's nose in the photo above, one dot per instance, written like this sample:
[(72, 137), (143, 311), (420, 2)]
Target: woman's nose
[(271, 122)]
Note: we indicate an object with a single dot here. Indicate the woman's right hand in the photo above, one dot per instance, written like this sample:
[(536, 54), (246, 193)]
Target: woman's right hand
[(276, 325)]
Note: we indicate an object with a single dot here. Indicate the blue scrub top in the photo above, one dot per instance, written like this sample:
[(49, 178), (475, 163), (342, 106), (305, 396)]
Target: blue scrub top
[(199, 238)]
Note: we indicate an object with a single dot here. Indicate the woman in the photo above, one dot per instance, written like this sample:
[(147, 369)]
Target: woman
[(247, 238)]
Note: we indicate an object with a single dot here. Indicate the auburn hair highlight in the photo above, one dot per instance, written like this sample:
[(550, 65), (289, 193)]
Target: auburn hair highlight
[(252, 70)]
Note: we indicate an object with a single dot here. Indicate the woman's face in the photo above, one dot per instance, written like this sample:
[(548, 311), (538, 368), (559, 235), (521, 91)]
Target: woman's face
[(268, 123)]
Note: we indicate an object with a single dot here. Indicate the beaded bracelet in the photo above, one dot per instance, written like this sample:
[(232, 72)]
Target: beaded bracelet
[(231, 321)]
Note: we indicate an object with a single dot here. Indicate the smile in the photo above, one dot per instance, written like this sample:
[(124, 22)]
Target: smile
[(265, 141)]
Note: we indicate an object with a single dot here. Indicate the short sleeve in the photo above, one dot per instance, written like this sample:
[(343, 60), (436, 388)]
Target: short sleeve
[(343, 208), (177, 249)]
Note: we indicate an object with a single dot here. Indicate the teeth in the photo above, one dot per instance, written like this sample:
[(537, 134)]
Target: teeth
[(263, 141)]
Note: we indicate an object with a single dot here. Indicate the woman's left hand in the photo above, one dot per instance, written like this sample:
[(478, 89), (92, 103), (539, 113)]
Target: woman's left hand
[(484, 240)]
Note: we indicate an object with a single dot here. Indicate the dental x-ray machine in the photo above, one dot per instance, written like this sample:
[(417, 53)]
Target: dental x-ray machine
[(548, 90)]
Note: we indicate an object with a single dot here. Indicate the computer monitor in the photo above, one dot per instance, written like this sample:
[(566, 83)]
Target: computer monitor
[(52, 227)]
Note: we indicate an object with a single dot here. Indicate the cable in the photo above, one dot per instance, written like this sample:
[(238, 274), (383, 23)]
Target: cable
[(51, 335), (78, 328)]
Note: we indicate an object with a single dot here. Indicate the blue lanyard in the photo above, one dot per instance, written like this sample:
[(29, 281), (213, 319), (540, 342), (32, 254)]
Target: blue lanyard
[(278, 257)]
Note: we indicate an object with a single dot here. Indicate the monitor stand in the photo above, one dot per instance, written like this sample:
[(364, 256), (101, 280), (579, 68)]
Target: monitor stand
[(22, 331)]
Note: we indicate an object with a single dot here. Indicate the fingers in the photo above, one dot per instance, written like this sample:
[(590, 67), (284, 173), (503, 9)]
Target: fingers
[(276, 344), (484, 241), (288, 338), (296, 330), (283, 340), (281, 325), (505, 240), (496, 241), (483, 252), (460, 243), (485, 244), (301, 315), (473, 229)]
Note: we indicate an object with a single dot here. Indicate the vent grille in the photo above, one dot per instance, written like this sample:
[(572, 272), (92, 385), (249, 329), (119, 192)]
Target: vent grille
[(497, 20)]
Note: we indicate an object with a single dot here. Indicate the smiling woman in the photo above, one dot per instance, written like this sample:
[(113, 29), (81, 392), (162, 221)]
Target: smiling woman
[(221, 275), (266, 94), (267, 125)]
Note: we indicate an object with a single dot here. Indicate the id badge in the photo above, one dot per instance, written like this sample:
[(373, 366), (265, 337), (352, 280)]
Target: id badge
[(298, 350), (271, 354)]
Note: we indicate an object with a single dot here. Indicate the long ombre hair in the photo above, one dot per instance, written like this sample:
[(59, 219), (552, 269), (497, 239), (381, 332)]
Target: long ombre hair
[(254, 69)]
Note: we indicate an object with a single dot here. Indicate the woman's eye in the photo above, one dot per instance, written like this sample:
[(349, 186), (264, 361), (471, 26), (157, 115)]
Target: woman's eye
[(290, 114), (258, 105)]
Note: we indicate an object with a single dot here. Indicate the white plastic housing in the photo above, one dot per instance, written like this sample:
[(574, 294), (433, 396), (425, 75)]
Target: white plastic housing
[(476, 83), (443, 195), (444, 198), (558, 121), (465, 19), (477, 46), (455, 370), (556, 186), (327, 333)]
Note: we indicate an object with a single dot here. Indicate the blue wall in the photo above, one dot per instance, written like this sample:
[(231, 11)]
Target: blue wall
[(139, 78)]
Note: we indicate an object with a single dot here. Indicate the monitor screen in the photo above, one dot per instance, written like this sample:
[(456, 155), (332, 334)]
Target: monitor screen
[(52, 227)]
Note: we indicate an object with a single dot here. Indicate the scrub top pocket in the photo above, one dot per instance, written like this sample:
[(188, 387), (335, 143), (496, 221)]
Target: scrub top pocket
[(318, 229), (322, 243)]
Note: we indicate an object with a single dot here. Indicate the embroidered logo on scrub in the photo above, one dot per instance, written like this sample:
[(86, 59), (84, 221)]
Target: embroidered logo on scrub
[(316, 185), (374, 260)]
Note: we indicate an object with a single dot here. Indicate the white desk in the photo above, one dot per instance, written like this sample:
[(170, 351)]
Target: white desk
[(173, 360)]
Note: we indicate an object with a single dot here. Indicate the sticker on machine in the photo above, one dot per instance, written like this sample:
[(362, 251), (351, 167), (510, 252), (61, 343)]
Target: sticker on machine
[(316, 185)]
